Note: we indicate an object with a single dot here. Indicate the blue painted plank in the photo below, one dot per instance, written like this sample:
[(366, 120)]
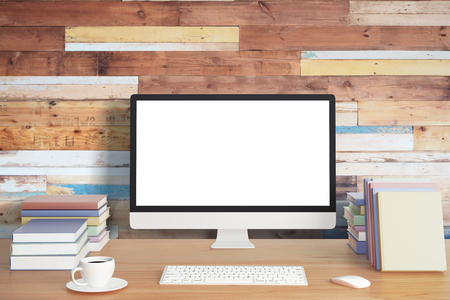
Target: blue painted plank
[(114, 192), (374, 129)]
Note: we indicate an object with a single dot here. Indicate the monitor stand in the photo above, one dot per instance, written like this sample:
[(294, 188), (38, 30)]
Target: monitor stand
[(232, 239)]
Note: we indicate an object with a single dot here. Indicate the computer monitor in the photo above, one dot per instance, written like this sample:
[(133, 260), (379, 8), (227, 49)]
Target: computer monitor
[(232, 163)]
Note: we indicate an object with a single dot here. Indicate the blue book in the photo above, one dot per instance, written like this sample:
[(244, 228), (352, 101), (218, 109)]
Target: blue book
[(63, 212), (50, 231), (358, 246), (356, 198), (376, 234)]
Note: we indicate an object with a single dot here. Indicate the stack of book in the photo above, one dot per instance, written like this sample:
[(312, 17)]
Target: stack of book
[(91, 207), (355, 215), (404, 225), (49, 245)]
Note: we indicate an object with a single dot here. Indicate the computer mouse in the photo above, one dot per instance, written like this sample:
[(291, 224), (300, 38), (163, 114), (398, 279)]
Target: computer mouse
[(353, 281)]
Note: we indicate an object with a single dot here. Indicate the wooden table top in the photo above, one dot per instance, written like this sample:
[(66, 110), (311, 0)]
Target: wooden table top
[(141, 263)]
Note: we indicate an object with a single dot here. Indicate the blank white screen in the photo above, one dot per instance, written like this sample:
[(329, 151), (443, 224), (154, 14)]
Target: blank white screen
[(232, 153)]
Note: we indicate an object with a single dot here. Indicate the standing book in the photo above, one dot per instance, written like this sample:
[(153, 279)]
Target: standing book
[(411, 230)]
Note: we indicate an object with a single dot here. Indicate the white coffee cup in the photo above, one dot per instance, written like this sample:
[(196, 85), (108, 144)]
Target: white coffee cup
[(96, 271)]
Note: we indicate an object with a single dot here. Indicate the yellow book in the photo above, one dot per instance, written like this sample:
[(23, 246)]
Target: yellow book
[(411, 231), (91, 221)]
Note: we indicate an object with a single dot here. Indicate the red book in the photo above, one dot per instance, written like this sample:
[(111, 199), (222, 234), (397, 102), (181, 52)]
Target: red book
[(64, 202)]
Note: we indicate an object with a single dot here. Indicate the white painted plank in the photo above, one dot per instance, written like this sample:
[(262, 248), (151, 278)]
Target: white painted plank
[(152, 46), (16, 171), (22, 184), (346, 119), (399, 20), (374, 142), (48, 80), (374, 54), (393, 169), (67, 92), (71, 159), (100, 180), (347, 106), (400, 7), (398, 156)]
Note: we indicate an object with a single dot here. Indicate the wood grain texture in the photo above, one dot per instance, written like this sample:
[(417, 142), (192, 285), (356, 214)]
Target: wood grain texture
[(391, 13), (65, 113), (397, 156), (432, 138), (344, 185), (152, 47), (248, 63), (67, 92), (386, 88), (374, 142), (10, 212), (48, 63), (152, 34), (65, 159), (64, 138), (101, 180), (404, 113), (31, 38), (375, 129), (395, 169), (375, 54), (232, 85), (323, 38), (350, 67), (88, 14), (23, 184), (314, 12), (57, 171)]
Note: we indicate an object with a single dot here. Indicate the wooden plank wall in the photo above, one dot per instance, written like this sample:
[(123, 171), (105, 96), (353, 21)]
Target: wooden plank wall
[(68, 68)]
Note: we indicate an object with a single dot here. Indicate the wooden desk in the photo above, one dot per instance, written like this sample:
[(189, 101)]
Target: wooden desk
[(141, 263)]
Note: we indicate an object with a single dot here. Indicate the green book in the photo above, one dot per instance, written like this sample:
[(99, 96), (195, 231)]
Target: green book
[(353, 216)]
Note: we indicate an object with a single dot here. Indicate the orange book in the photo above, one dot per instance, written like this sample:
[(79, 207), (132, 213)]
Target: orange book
[(64, 202)]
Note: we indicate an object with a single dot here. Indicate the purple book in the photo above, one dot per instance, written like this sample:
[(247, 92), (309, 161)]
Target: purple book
[(50, 231), (98, 238)]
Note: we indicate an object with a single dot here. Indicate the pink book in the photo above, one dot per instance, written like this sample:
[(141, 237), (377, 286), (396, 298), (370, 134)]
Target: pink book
[(64, 202)]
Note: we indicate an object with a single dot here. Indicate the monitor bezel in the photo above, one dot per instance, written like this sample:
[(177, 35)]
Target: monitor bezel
[(233, 209)]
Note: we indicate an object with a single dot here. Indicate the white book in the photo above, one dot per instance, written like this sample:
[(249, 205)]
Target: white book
[(99, 245), (47, 262)]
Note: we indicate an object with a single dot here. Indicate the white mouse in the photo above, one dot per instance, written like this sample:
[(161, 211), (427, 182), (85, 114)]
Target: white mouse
[(351, 281)]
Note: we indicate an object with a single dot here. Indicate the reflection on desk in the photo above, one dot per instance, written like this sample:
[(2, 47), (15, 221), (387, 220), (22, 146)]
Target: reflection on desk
[(141, 263)]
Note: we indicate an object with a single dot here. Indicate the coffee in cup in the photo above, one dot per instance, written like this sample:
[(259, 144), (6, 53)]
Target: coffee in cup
[(96, 271)]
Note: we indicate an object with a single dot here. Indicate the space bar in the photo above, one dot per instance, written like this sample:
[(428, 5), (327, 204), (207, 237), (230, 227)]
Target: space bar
[(230, 280)]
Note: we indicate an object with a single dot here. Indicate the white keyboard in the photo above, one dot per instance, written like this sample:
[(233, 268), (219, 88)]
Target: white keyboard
[(234, 275)]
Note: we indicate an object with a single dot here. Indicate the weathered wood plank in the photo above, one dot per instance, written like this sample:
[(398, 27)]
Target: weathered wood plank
[(67, 92), (65, 113), (10, 213), (375, 129), (374, 142), (18, 196), (344, 185), (152, 47), (336, 67), (152, 34), (57, 171), (374, 54), (397, 156), (360, 88), (81, 80), (114, 192), (393, 169), (48, 63), (346, 119), (65, 159), (391, 13), (88, 14), (432, 138), (400, 7), (399, 19), (102, 180), (404, 113), (248, 63), (64, 138), (323, 38), (314, 12), (31, 38), (232, 85), (23, 184)]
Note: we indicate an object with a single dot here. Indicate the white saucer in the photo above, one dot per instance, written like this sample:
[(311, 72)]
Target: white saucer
[(114, 284)]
